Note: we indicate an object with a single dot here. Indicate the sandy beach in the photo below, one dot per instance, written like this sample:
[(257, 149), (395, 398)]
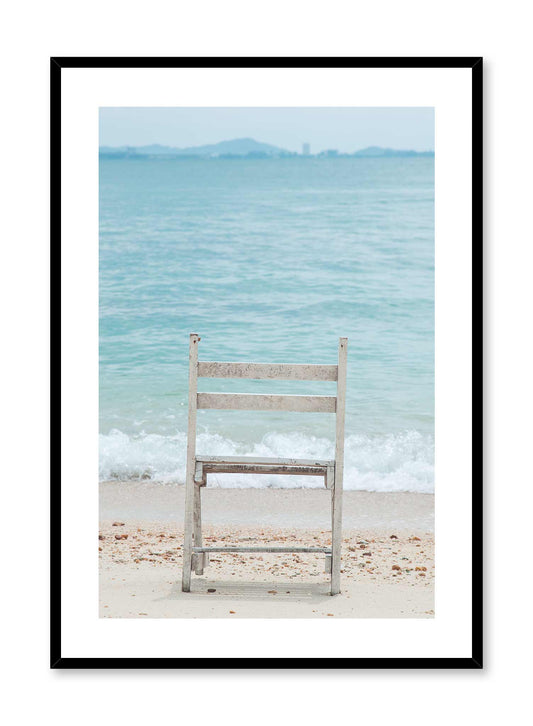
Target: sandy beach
[(387, 556)]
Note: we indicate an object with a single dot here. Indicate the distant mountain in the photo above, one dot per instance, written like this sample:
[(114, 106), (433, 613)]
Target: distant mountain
[(372, 151), (235, 147)]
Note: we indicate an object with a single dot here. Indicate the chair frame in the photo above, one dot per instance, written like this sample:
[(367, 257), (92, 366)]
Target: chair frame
[(195, 556)]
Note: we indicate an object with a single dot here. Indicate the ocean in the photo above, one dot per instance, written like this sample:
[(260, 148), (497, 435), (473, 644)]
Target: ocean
[(268, 260)]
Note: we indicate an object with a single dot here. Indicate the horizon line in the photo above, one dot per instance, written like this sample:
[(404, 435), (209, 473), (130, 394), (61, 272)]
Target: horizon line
[(249, 138)]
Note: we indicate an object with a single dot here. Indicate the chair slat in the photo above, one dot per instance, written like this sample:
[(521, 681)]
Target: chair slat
[(266, 402), (279, 371)]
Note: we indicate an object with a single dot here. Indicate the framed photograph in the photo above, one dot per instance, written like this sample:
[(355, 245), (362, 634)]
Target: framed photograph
[(267, 357)]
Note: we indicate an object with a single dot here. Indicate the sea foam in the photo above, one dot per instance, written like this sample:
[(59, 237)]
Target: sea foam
[(386, 463)]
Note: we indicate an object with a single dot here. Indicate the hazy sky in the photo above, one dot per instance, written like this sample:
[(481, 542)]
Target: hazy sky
[(345, 129)]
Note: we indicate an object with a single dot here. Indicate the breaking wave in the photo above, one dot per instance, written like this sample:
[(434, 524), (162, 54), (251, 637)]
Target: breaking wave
[(401, 462)]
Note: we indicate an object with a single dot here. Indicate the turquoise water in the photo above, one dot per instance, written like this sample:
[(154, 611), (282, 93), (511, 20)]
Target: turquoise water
[(268, 260)]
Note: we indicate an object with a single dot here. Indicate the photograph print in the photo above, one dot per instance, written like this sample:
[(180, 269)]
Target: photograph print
[(271, 234)]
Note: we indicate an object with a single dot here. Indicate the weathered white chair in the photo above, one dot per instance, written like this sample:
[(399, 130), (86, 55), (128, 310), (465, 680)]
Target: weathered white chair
[(195, 556)]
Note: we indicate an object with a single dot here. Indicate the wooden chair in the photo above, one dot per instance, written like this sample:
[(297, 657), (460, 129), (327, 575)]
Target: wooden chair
[(195, 555)]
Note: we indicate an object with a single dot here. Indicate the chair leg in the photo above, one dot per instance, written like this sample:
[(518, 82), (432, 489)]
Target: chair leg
[(197, 529), (188, 534), (336, 541)]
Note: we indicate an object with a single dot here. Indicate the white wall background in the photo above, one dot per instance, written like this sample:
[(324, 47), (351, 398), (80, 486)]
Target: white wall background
[(32, 32)]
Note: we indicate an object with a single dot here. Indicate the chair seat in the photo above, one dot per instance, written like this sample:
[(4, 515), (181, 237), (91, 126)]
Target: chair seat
[(260, 465), (264, 460)]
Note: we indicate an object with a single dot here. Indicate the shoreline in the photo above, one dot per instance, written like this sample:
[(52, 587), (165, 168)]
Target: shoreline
[(293, 508), (387, 554)]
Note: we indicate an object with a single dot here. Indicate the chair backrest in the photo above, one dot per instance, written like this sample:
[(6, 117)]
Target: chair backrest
[(267, 402)]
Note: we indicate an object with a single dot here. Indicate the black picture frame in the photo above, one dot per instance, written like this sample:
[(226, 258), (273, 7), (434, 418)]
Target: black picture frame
[(476, 659)]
